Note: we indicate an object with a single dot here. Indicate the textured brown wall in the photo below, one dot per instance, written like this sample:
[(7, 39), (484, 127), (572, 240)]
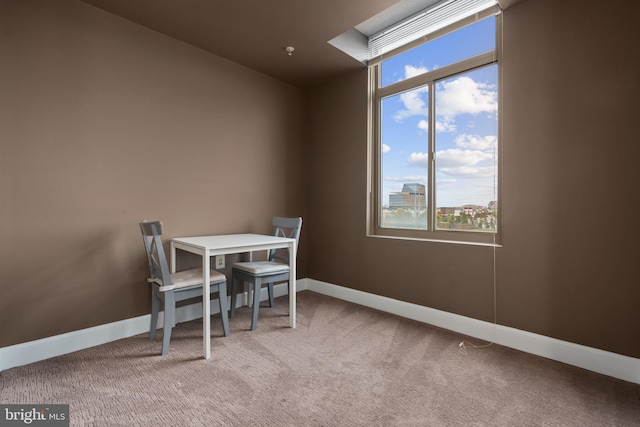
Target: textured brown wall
[(104, 123), (568, 265)]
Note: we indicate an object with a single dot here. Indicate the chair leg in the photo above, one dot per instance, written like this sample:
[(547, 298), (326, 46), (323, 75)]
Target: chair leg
[(169, 312), (257, 286), (289, 291), (222, 297), (234, 295), (155, 308), (270, 289)]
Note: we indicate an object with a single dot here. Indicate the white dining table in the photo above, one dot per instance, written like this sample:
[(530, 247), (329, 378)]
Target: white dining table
[(223, 244)]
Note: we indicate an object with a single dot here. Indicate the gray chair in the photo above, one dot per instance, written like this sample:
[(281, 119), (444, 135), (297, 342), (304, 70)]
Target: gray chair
[(274, 270), (170, 288)]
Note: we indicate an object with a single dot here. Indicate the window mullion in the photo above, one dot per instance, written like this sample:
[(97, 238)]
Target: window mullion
[(378, 147), (431, 196)]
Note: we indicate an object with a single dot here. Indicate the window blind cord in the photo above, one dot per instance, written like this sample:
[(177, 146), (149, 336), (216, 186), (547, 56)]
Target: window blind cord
[(464, 344), (462, 347)]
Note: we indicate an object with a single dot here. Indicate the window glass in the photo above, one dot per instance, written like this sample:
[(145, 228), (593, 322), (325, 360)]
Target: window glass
[(404, 164), (461, 44), (466, 108), (436, 136)]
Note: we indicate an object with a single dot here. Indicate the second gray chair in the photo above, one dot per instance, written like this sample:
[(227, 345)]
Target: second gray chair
[(274, 270), (170, 288)]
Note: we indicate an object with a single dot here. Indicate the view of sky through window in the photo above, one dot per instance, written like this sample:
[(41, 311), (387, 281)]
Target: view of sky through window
[(466, 107)]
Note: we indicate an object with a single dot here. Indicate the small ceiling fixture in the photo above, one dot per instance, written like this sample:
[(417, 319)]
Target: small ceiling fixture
[(289, 50)]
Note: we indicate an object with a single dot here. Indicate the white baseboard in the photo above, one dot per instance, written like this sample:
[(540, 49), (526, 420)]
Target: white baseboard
[(35, 351), (603, 362)]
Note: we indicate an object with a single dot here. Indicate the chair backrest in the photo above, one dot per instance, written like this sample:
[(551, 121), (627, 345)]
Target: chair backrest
[(285, 227), (158, 267)]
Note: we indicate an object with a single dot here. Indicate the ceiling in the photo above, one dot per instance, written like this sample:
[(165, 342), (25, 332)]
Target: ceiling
[(254, 33)]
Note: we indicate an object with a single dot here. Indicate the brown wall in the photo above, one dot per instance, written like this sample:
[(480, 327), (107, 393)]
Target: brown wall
[(104, 123), (568, 267)]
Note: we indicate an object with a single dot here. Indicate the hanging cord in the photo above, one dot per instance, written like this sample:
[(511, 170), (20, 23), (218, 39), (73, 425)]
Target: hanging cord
[(464, 344), (462, 347)]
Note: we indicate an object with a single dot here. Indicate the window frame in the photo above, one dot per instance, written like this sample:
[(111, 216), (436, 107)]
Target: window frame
[(377, 93)]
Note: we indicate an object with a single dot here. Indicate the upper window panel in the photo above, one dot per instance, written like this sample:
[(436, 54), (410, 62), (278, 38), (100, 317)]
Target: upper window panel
[(468, 41)]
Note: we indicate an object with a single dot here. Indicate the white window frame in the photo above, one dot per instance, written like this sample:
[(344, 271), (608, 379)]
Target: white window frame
[(378, 93)]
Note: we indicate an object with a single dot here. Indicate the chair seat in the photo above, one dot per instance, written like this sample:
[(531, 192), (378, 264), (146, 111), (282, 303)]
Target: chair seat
[(261, 267), (169, 288), (187, 278), (274, 270)]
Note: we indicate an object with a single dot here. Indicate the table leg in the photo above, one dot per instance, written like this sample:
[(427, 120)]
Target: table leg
[(248, 289), (172, 258), (292, 285), (206, 307)]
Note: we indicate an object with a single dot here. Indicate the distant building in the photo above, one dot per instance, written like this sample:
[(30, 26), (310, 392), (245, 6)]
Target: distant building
[(412, 197), (473, 209), (449, 211)]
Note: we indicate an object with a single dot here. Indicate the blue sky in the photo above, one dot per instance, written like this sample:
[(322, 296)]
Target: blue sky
[(466, 120)]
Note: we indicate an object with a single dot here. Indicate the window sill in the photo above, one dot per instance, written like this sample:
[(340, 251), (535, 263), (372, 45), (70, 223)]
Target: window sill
[(494, 244)]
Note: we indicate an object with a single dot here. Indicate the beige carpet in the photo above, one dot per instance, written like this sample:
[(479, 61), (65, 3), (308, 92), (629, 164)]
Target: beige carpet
[(344, 365)]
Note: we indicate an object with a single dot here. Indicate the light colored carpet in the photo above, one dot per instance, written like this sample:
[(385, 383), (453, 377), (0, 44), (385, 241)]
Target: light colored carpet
[(344, 365)]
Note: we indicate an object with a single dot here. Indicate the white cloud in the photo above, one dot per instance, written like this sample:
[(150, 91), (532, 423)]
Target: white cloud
[(443, 181), (465, 96), (456, 158), (385, 148), (460, 96), (469, 171), (420, 160), (413, 103), (411, 71), (441, 126), (475, 142), (445, 125)]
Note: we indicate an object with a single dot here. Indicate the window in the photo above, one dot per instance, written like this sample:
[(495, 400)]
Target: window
[(434, 157)]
